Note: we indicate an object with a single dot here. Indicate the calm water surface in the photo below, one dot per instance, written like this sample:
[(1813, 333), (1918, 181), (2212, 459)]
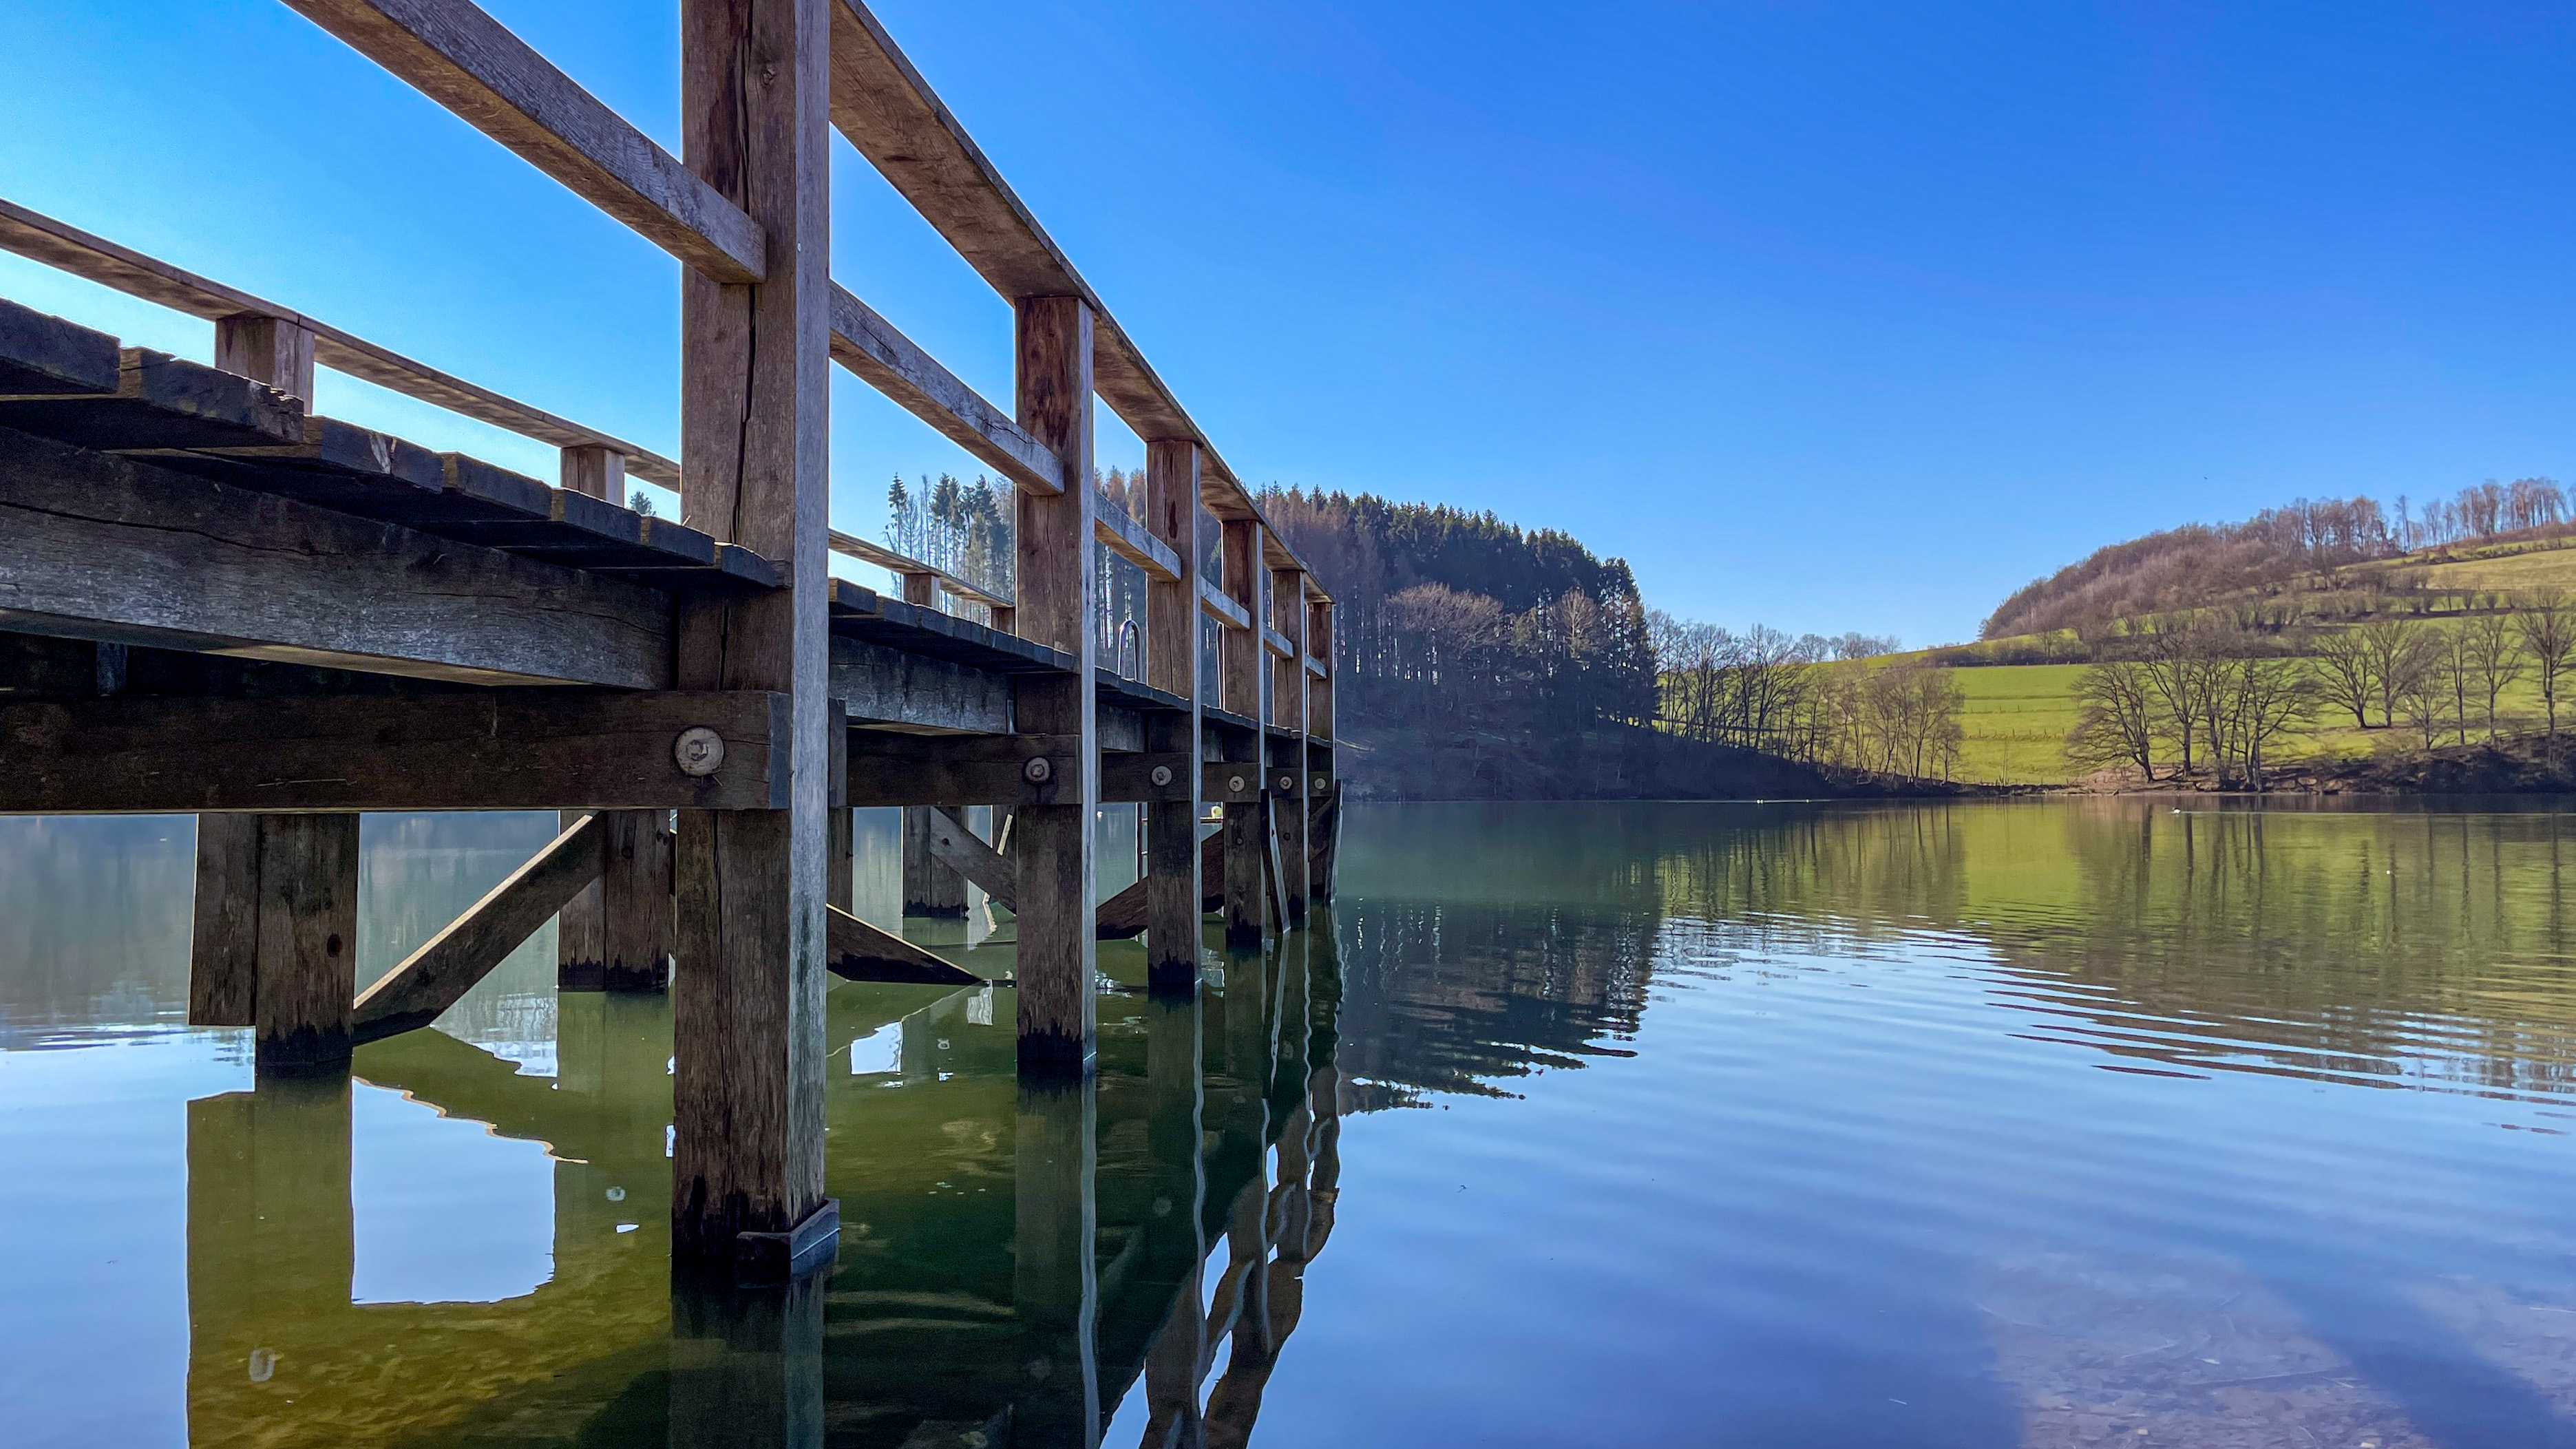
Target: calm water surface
[(1993, 1124)]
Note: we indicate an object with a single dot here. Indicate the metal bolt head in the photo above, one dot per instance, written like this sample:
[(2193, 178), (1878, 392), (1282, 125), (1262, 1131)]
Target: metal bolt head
[(1322, 784), (1038, 770), (1234, 784), (1287, 783), (1162, 775), (699, 751)]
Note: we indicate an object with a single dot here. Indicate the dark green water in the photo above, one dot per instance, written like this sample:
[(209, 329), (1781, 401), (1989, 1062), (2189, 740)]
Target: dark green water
[(2027, 1123)]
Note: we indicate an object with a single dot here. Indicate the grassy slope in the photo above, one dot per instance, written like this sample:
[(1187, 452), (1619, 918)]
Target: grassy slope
[(2017, 715)]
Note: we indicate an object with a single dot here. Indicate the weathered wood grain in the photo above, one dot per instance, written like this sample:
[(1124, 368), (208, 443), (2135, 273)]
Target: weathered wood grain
[(462, 58), (267, 349), (162, 401), (892, 687), (1174, 860), (931, 886), (902, 769), (1124, 915), (96, 546), (859, 951), (1288, 612), (223, 947), (446, 966), (747, 1002), (1128, 539), (45, 355), (616, 933), (308, 940), (871, 347), (595, 472), (1224, 610), (1054, 843), (957, 847), (509, 749)]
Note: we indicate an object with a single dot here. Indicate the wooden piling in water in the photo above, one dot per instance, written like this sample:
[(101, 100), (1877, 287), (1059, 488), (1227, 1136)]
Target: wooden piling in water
[(1054, 843), (1173, 627), (747, 1158)]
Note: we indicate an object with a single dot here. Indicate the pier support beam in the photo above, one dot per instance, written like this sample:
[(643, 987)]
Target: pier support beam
[(747, 1001), (931, 886), (1172, 630), (1054, 841), (1245, 685), (276, 934), (617, 935), (1288, 757)]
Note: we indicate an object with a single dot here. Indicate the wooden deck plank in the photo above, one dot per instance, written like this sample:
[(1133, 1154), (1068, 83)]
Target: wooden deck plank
[(45, 354), (162, 401), (59, 244), (103, 547)]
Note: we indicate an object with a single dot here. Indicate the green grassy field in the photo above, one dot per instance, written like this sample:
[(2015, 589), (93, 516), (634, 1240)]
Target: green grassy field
[(2015, 723), (2017, 715)]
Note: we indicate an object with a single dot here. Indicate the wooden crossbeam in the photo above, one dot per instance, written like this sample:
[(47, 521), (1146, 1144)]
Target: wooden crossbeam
[(858, 951), (447, 965), (1214, 603), (1128, 539), (870, 346), (67, 247), (1031, 769), (502, 749), (472, 64)]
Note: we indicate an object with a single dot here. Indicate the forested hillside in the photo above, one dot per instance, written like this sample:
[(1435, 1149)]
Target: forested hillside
[(2197, 565)]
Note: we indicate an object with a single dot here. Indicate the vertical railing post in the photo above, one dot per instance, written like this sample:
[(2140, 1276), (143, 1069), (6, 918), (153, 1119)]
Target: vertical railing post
[(747, 1003), (267, 349), (1173, 898), (1052, 835)]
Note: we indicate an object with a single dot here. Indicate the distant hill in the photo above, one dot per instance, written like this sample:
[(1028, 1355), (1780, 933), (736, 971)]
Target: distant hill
[(2329, 545)]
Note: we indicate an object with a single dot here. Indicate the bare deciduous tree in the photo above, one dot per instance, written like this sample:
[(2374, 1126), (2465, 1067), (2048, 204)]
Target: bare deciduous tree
[(2546, 625), (2116, 718)]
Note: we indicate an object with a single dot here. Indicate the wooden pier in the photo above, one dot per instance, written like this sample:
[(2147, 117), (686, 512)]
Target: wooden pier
[(215, 602)]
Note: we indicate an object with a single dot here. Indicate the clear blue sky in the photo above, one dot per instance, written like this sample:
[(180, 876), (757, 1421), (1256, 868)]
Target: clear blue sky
[(1831, 316)]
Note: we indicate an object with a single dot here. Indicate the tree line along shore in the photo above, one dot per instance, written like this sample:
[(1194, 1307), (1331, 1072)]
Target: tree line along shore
[(2331, 644)]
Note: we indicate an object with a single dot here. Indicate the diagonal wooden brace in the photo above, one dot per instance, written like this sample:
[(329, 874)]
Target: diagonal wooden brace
[(447, 965)]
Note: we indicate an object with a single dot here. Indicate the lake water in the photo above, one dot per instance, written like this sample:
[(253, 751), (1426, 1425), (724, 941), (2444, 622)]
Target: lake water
[(2018, 1123)]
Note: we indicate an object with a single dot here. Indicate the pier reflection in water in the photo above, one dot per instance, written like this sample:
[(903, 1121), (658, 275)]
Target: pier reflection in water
[(2040, 1124)]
